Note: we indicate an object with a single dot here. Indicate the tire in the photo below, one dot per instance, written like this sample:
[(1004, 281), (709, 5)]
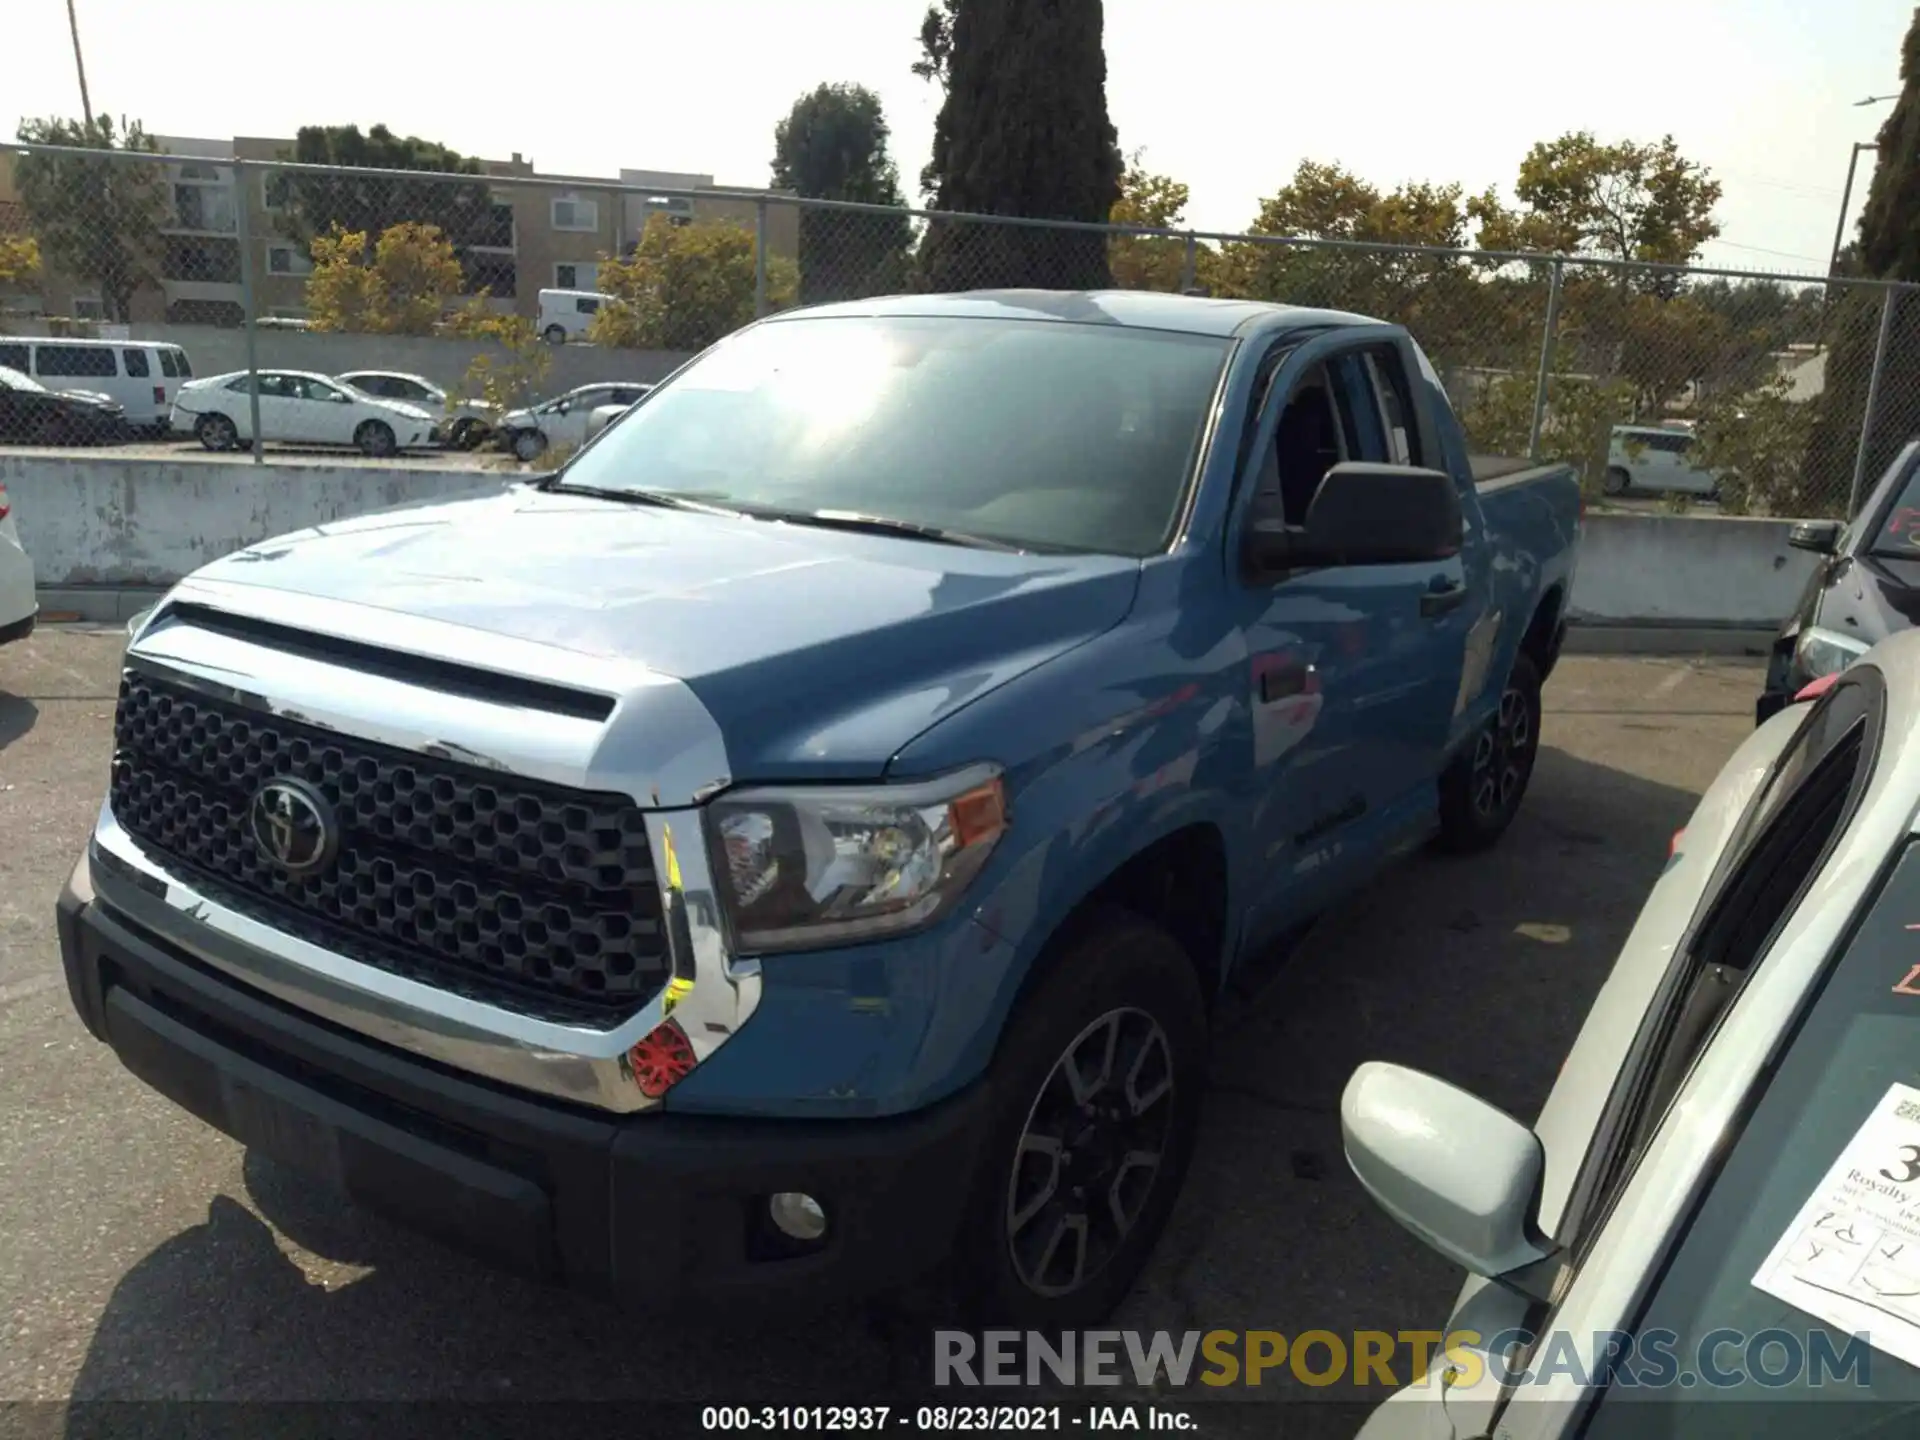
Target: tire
[(554, 335), (1616, 482), (54, 430), (375, 438), (1480, 792), (216, 432), (465, 435), (529, 445), (1120, 987)]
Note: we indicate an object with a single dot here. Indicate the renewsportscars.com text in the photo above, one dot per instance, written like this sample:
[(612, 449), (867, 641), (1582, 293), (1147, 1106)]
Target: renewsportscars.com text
[(1655, 1359)]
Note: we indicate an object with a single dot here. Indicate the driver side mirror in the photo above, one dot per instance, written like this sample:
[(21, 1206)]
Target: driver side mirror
[(1458, 1173), (1363, 514), (1822, 537), (562, 407)]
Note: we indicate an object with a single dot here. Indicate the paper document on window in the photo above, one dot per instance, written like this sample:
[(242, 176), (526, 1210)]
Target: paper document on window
[(1851, 1256)]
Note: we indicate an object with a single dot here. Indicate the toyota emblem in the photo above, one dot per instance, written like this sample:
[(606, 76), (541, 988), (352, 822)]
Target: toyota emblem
[(293, 826)]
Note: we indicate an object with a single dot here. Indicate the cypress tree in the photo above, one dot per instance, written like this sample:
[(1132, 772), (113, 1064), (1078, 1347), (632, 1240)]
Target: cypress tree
[(1024, 131)]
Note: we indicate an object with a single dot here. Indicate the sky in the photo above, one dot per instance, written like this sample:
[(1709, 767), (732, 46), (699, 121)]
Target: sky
[(1226, 95)]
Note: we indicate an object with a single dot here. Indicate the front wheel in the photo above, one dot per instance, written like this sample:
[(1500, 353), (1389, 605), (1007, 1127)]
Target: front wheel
[(216, 432), (1097, 1088), (528, 445), (1480, 791), (375, 438), (1615, 482)]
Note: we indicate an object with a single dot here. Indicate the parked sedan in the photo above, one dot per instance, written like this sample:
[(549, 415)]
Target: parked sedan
[(529, 433), (1866, 585), (464, 426), (19, 606), (297, 407), (32, 413), (1723, 1177)]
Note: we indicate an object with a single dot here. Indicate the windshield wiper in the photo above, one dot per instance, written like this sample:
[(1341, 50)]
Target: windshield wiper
[(665, 499), (883, 525)]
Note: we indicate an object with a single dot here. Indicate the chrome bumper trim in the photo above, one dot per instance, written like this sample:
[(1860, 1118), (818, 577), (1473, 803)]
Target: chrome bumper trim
[(710, 997)]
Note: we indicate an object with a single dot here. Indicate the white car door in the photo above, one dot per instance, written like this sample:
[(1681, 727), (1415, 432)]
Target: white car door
[(328, 414), (277, 406)]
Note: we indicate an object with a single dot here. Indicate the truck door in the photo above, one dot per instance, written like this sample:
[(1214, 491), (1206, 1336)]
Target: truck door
[(1353, 672)]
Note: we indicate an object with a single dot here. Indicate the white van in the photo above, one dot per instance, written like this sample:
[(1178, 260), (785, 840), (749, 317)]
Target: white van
[(566, 314), (143, 375), (1657, 460)]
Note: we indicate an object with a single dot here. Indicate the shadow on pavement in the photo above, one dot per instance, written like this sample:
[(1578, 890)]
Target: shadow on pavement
[(1478, 969), (17, 716)]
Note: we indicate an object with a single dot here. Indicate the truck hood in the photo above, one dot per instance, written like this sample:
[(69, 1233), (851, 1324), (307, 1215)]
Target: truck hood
[(818, 653)]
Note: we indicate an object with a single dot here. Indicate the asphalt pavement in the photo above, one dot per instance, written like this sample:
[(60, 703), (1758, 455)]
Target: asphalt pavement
[(144, 1256)]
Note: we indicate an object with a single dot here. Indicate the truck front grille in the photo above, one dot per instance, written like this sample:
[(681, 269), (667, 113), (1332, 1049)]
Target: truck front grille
[(529, 896)]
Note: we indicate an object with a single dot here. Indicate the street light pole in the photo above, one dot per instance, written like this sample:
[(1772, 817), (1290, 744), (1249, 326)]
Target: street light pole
[(86, 105), (1846, 198)]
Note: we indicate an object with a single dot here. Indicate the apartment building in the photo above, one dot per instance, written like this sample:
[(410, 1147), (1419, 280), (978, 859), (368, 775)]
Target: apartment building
[(526, 239)]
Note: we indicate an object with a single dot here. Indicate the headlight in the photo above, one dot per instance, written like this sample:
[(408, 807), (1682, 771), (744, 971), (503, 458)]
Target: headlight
[(1826, 652), (806, 867)]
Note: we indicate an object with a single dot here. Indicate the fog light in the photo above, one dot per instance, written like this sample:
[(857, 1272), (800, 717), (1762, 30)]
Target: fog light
[(797, 1216)]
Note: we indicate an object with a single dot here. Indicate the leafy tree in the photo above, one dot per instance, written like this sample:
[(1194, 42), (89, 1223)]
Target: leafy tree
[(1157, 202), (1756, 439), (97, 220), (509, 373), (685, 286), (19, 261), (1576, 430), (1624, 201), (399, 286), (936, 51), (1024, 131), (1889, 249), (833, 146), (313, 204)]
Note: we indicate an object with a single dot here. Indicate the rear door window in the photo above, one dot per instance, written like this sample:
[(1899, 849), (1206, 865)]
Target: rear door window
[(167, 366), (136, 363), (14, 357), (180, 360)]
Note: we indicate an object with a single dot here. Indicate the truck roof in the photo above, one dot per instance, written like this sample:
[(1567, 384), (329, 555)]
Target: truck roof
[(1133, 309)]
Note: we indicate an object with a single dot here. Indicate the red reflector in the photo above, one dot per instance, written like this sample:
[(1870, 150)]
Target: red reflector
[(6, 505), (660, 1059), (1815, 689), (1673, 845), (159, 394)]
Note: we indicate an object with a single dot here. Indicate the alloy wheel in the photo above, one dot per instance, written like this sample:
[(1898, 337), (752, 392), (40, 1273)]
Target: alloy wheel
[(1500, 756)]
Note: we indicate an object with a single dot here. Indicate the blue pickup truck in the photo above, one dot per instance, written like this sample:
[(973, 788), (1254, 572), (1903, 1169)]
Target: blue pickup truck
[(793, 849)]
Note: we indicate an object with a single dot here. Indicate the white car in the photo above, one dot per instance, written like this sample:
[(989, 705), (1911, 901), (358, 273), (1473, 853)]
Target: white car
[(563, 420), (1720, 1201), (463, 426), (18, 605), (297, 407), (1656, 460), (568, 314)]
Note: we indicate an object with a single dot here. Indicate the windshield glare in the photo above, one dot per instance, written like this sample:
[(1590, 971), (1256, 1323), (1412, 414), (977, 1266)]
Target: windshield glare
[(1040, 433)]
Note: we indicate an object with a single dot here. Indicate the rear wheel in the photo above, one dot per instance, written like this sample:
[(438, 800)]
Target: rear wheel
[(216, 432), (1481, 790), (554, 335), (1097, 1088), (1615, 482), (375, 437)]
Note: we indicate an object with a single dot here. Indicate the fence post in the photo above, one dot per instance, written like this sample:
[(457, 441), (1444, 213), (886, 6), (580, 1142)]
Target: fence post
[(759, 259), (243, 230), (1873, 400), (1546, 361), (1189, 263)]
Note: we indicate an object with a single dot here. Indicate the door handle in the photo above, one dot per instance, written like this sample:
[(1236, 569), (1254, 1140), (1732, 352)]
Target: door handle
[(1439, 601), (1282, 682)]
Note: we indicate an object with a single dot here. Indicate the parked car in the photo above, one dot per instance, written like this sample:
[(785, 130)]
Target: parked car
[(35, 415), (1865, 586), (1656, 460), (465, 426), (567, 314), (19, 606), (141, 376), (793, 848), (602, 416), (1752, 1045), (564, 420), (298, 407)]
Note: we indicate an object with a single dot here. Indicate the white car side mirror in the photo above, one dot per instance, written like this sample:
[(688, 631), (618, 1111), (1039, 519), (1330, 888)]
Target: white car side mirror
[(1458, 1173)]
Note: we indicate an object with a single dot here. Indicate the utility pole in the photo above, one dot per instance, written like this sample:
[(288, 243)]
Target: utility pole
[(1846, 197), (86, 105)]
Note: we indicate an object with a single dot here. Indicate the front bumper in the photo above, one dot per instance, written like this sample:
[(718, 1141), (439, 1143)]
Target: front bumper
[(18, 629), (656, 1209)]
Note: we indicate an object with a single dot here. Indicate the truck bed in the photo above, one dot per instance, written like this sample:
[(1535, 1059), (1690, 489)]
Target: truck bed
[(1491, 471)]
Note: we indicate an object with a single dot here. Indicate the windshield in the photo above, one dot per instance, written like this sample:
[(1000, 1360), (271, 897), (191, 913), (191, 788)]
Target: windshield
[(1041, 433), (1774, 1213), (14, 380), (1899, 535)]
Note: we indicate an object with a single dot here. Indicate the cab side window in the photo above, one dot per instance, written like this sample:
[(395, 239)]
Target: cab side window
[(1352, 407)]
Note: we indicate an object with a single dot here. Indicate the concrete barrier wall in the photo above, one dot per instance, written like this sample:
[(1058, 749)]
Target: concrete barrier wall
[(1729, 572), (214, 350), (92, 519)]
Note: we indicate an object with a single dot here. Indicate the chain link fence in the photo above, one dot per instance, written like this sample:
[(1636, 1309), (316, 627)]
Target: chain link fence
[(485, 317)]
